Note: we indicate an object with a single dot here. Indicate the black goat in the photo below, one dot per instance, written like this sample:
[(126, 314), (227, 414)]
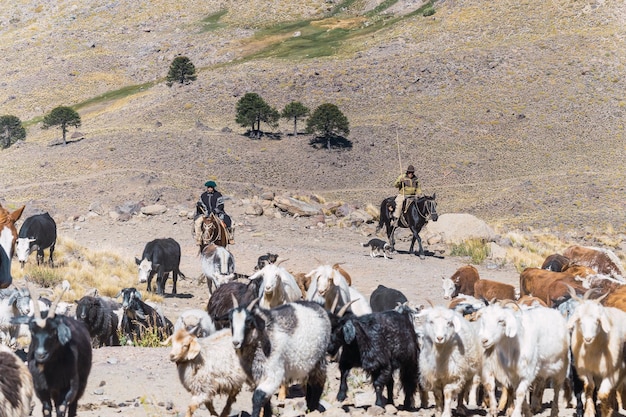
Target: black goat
[(100, 319), (139, 318), (59, 359), (384, 298), (379, 343), (269, 258), (221, 302)]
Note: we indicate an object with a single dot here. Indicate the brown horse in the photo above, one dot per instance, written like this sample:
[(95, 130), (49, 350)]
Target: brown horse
[(214, 231), (8, 236)]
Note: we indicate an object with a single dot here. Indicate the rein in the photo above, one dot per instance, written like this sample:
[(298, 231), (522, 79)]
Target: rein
[(428, 207)]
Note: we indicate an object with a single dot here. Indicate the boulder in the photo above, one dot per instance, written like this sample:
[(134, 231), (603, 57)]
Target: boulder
[(254, 209), (455, 228), (153, 209), (293, 206)]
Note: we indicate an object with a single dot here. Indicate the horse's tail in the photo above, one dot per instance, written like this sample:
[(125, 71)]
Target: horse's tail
[(383, 218)]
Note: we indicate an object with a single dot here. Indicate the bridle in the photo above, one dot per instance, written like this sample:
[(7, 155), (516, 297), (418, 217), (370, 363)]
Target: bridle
[(429, 207)]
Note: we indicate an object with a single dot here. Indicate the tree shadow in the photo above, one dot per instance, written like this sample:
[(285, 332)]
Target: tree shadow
[(258, 135), (336, 142)]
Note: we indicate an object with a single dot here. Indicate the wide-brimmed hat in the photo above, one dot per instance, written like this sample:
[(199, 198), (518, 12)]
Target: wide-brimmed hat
[(411, 168), (210, 184)]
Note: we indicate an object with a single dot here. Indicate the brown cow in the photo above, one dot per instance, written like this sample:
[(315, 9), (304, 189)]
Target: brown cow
[(461, 282), (603, 261), (551, 286), (488, 290)]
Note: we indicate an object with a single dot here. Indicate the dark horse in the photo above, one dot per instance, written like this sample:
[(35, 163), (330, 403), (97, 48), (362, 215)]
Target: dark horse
[(415, 216), (213, 231)]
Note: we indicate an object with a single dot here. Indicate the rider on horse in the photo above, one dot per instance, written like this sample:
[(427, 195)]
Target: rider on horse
[(408, 186), (211, 201)]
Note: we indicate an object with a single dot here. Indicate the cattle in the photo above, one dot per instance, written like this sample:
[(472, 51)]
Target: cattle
[(603, 261), (466, 281), (555, 263), (160, 256), (551, 287), (461, 282), (38, 232), (8, 237)]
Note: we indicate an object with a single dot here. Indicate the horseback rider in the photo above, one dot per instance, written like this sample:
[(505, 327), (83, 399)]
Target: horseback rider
[(408, 186), (211, 201)]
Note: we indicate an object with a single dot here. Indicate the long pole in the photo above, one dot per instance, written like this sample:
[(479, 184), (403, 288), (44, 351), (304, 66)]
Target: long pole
[(398, 147)]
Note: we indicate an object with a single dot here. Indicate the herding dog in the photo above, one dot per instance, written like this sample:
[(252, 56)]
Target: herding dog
[(378, 247)]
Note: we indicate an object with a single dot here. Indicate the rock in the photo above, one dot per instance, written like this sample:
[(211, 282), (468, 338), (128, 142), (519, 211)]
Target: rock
[(361, 216), (497, 252), (96, 207), (459, 227), (268, 195), (343, 210), (254, 209), (375, 410), (293, 206), (153, 209)]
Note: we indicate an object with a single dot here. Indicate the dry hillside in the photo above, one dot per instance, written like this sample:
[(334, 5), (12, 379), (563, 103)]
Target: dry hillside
[(512, 110)]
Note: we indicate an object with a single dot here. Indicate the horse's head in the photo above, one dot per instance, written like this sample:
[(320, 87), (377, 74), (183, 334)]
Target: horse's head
[(431, 207), (8, 236)]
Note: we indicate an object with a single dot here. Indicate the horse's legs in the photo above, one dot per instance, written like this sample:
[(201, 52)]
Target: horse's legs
[(391, 232)]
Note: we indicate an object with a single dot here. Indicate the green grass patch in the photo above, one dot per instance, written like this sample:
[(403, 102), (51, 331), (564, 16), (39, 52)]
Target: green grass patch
[(212, 21), (116, 94), (476, 249), (45, 277)]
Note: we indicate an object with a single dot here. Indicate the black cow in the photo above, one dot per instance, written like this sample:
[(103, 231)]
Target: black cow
[(384, 298), (160, 256), (38, 232)]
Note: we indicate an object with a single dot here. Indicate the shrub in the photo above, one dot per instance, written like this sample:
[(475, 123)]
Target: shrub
[(476, 249)]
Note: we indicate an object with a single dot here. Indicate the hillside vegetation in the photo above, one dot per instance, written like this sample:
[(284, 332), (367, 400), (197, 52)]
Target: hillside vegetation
[(511, 110)]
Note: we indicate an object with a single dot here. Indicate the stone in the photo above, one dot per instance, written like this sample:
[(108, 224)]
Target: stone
[(294, 206), (459, 227), (254, 209), (153, 209)]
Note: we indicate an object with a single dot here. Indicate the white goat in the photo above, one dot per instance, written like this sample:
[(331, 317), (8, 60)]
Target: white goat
[(450, 356), (522, 347), (598, 336), (207, 367), (16, 395), (13, 302), (326, 284), (218, 265), (195, 317), (278, 287)]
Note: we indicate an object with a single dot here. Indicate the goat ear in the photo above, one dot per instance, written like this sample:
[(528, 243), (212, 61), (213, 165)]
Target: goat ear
[(137, 261), (456, 323), (605, 323), (510, 329), (349, 332), (64, 333), (194, 349)]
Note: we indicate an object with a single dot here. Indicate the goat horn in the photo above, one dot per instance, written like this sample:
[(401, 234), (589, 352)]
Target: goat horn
[(235, 303), (510, 304), (34, 297), (53, 307), (335, 302), (572, 293), (280, 262), (252, 304), (430, 302), (345, 308)]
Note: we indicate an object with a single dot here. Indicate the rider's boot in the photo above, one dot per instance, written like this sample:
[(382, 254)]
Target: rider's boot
[(231, 235)]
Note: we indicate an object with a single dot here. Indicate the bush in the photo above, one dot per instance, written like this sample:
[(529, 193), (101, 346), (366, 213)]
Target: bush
[(476, 249)]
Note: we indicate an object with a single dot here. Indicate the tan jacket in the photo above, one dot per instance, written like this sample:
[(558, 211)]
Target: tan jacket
[(407, 186)]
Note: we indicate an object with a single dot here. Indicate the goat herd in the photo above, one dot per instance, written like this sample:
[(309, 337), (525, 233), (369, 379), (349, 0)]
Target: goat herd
[(566, 329)]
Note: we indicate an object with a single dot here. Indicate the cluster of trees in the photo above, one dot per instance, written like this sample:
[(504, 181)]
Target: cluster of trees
[(326, 121), (12, 130)]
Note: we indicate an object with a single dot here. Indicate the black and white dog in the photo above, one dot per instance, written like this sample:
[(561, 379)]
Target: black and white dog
[(378, 247)]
